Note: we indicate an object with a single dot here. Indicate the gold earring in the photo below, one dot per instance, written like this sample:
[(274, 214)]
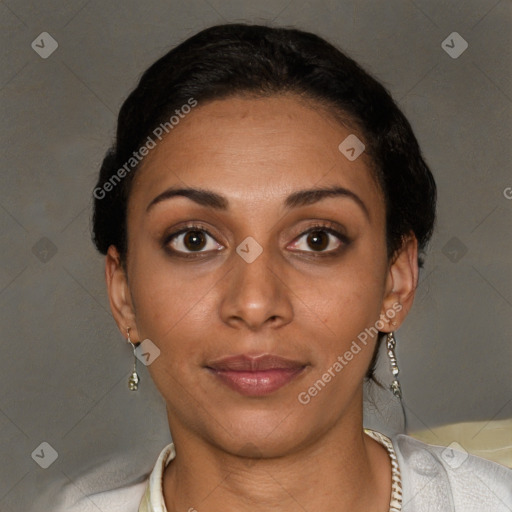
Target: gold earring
[(133, 381), (395, 385)]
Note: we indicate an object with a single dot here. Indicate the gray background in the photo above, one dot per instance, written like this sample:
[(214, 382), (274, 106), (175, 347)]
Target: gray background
[(64, 366)]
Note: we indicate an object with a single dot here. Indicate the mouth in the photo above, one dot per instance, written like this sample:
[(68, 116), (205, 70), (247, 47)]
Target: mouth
[(256, 375)]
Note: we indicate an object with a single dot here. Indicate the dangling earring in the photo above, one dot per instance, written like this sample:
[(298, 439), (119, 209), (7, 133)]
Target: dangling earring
[(133, 381), (395, 385)]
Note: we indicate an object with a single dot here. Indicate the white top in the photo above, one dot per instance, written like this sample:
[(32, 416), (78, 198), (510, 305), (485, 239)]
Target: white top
[(426, 478)]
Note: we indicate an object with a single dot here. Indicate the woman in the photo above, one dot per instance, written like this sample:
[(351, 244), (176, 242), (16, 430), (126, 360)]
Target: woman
[(263, 212)]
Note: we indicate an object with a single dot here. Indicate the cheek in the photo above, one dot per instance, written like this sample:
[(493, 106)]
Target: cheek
[(168, 304), (175, 308), (348, 298), (347, 308), (172, 312)]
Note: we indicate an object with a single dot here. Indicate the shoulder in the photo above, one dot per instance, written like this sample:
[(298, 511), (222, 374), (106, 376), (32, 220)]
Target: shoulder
[(142, 495), (440, 476)]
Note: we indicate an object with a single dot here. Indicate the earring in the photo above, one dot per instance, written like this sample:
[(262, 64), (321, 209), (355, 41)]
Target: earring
[(133, 381), (395, 385)]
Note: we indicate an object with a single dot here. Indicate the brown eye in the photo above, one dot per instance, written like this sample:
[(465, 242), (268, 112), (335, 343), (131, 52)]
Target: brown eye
[(194, 240), (321, 240), (318, 240), (191, 240)]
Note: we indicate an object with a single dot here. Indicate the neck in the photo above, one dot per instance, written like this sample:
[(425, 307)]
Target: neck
[(344, 470)]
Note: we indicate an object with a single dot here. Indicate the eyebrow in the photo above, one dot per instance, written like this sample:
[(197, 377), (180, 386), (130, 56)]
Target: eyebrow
[(216, 201)]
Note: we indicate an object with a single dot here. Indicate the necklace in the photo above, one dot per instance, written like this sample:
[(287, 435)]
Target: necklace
[(395, 505)]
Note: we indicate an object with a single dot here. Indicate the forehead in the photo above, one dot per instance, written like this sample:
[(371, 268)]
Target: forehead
[(253, 150)]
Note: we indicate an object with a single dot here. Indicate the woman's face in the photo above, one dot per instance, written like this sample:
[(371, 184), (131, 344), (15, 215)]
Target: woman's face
[(247, 279)]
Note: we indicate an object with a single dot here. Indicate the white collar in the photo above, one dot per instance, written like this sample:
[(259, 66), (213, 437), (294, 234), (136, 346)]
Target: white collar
[(153, 499)]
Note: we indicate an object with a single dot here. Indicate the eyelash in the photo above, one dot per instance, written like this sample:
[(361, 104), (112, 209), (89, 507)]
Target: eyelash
[(327, 227)]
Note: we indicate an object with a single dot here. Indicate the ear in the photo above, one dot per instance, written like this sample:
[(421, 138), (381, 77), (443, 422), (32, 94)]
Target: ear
[(119, 294), (401, 283)]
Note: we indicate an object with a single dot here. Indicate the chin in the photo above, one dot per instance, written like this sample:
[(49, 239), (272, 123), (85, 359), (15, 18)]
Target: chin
[(263, 433)]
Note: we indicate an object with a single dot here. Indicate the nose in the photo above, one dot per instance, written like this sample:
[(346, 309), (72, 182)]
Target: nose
[(256, 294)]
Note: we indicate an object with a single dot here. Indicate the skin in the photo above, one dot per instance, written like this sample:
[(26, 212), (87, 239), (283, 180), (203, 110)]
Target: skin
[(244, 453)]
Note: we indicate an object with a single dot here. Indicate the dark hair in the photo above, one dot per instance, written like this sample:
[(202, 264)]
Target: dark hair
[(237, 59)]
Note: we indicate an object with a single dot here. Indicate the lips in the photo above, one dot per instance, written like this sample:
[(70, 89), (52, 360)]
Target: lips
[(255, 375), (246, 363)]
